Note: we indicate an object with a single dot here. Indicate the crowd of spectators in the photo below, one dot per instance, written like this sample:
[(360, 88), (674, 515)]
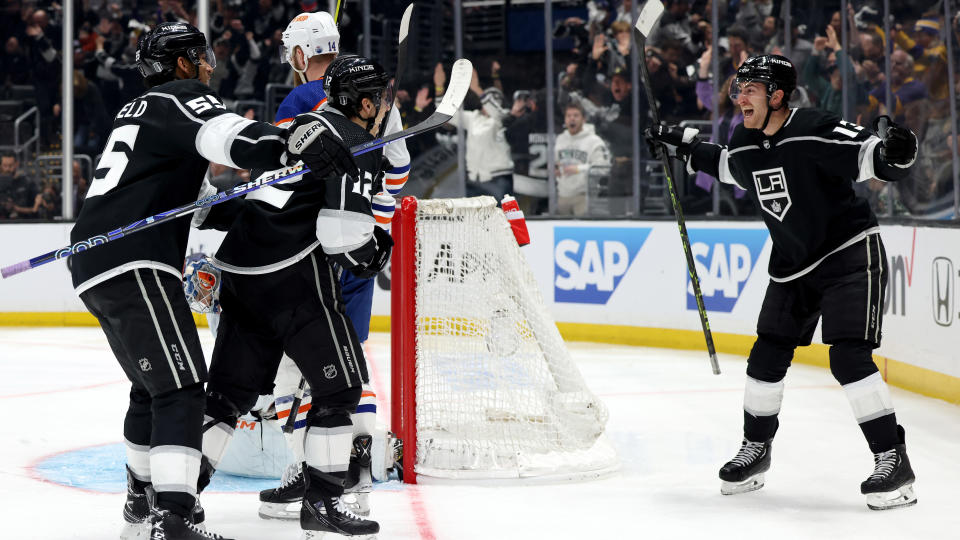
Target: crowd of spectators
[(506, 110)]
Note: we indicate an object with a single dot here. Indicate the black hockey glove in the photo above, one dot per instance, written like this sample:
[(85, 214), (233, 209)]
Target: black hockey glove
[(898, 146), (682, 138), (309, 140), (378, 262)]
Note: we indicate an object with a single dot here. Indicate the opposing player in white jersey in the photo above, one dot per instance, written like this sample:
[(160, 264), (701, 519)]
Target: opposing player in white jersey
[(310, 43)]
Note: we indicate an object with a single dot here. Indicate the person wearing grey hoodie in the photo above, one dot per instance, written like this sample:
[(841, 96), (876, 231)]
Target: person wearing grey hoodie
[(582, 157)]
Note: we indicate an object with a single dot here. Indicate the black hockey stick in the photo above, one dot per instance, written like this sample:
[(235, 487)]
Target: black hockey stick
[(401, 64), (291, 422), (652, 11), (460, 76)]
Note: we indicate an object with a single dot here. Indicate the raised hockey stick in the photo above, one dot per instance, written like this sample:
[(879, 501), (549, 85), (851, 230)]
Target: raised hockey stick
[(460, 76), (401, 62), (651, 12)]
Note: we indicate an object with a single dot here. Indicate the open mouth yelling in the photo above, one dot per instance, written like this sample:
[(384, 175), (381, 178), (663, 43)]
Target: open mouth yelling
[(747, 112)]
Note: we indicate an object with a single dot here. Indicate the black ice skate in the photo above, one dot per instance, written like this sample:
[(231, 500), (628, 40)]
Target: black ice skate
[(745, 471), (283, 502), (170, 526), (136, 511), (359, 481), (891, 484), (319, 518)]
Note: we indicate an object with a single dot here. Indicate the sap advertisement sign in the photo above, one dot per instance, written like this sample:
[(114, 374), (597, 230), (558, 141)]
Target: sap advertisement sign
[(725, 258), (589, 262)]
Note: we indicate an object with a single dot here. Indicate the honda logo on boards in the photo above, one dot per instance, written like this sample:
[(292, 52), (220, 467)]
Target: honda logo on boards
[(942, 294), (589, 262)]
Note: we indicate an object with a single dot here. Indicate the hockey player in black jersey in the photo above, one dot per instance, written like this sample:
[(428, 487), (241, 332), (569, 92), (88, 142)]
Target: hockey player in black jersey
[(827, 261), (154, 160), (281, 294)]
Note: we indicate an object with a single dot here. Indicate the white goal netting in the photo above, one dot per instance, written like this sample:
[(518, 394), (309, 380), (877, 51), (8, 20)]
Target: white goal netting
[(497, 393)]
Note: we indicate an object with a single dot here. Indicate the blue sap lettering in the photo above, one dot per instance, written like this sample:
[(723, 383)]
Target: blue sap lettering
[(615, 263), (590, 262), (567, 264), (700, 252), (741, 263), (725, 260), (591, 269)]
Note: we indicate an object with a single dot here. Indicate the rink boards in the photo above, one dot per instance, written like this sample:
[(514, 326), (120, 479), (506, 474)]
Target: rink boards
[(626, 282)]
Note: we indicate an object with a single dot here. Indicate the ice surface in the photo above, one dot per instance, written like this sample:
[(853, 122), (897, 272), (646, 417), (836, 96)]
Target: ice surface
[(672, 421)]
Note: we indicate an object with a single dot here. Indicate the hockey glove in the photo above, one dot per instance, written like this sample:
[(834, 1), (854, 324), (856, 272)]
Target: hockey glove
[(681, 138), (319, 148), (898, 146), (378, 262)]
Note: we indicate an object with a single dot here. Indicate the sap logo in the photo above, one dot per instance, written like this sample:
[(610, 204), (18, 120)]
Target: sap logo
[(901, 279), (589, 262), (725, 258)]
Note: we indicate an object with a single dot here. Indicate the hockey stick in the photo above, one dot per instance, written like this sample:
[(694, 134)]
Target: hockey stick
[(651, 12), (401, 63), (291, 423), (460, 76)]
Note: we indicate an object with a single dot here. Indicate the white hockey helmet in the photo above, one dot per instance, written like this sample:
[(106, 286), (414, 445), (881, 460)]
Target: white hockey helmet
[(314, 33)]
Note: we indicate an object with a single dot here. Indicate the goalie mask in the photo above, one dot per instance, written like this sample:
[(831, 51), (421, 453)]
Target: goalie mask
[(201, 285)]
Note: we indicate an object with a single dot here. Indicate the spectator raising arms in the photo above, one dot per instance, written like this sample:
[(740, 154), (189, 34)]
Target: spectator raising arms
[(489, 165)]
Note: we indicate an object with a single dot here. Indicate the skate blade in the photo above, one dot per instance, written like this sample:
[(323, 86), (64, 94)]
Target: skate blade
[(904, 496), (324, 535), (136, 531), (753, 483), (280, 510)]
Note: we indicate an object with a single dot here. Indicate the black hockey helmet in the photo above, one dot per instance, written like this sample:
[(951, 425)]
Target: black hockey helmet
[(349, 79), (160, 48), (772, 70)]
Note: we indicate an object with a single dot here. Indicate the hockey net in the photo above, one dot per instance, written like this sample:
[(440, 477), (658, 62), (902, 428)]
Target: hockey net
[(483, 385)]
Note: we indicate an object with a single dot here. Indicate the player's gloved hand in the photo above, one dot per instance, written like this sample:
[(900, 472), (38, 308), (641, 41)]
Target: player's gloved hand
[(662, 133), (373, 266), (324, 152), (898, 146)]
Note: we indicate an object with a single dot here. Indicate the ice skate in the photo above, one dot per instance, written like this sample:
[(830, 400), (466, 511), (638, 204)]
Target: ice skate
[(169, 526), (891, 484), (136, 511), (317, 522), (359, 482), (284, 502), (745, 471)]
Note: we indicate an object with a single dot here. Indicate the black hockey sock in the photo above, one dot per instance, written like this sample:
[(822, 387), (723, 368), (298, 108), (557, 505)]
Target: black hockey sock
[(177, 502), (759, 428), (139, 418), (881, 433)]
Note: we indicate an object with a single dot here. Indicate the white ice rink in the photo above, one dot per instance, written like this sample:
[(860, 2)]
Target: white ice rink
[(672, 421)]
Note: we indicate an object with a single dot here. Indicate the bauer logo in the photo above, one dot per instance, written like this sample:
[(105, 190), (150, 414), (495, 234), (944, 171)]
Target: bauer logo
[(725, 259), (589, 262)]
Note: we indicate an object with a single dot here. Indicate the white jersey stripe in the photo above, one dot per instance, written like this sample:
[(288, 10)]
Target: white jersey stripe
[(176, 328), (333, 334), (216, 136), (156, 325)]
